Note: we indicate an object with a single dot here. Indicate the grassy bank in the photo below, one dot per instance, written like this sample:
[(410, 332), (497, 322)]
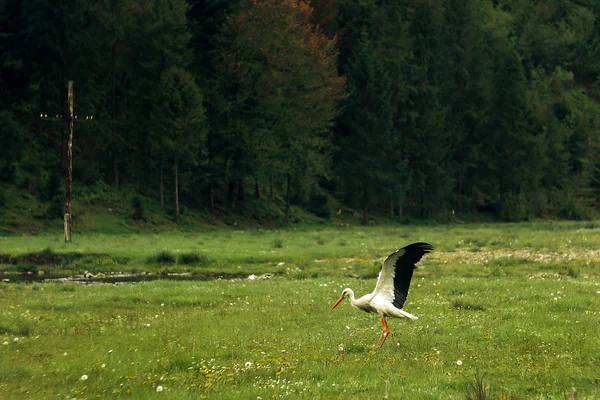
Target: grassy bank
[(478, 249)]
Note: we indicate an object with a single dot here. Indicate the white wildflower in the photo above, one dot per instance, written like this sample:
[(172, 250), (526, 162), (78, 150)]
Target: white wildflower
[(459, 363), (159, 388), (83, 378)]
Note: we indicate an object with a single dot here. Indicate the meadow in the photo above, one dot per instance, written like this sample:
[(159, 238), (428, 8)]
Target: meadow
[(506, 311)]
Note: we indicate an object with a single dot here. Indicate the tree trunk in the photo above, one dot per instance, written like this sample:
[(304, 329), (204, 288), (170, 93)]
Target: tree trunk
[(116, 168), (459, 194), (162, 184), (271, 195), (176, 193), (64, 131), (287, 199), (212, 196), (235, 193), (63, 135), (392, 205), (256, 189), (231, 195), (400, 214), (240, 190), (365, 206), (114, 105)]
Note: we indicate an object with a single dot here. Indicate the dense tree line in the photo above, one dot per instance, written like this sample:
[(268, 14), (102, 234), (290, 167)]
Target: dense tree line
[(420, 108)]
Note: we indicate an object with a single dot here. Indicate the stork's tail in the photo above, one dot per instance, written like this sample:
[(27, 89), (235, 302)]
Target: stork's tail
[(408, 315)]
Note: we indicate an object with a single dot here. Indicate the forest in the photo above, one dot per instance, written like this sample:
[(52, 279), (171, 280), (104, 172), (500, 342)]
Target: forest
[(396, 108)]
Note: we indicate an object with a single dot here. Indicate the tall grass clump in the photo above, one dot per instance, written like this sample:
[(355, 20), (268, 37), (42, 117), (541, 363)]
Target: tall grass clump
[(573, 272), (478, 390), (162, 257), (193, 258), (463, 305), (20, 328)]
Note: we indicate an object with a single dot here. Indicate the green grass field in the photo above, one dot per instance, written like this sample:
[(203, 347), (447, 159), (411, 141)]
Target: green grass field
[(514, 308)]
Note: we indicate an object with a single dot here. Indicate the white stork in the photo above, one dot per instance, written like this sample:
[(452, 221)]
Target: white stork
[(392, 286)]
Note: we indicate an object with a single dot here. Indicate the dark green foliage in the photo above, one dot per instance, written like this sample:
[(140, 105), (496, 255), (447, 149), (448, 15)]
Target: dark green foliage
[(513, 207), (407, 109), (12, 135), (53, 185), (278, 92), (56, 208), (366, 127), (317, 204)]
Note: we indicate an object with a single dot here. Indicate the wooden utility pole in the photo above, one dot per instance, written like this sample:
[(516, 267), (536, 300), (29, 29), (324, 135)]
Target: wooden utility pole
[(69, 173), (69, 182)]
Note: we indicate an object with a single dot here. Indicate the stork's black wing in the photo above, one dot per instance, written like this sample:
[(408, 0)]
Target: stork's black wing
[(397, 271)]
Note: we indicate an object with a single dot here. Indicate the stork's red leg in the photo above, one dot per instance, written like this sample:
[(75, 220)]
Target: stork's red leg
[(386, 331), (383, 330), (380, 336)]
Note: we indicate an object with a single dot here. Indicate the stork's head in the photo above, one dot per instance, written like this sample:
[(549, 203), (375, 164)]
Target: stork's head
[(345, 294)]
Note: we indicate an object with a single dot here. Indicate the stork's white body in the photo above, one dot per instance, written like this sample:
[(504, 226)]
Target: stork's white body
[(373, 303), (391, 290)]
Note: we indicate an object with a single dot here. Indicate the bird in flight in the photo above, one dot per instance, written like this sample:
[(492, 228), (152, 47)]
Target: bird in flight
[(392, 286)]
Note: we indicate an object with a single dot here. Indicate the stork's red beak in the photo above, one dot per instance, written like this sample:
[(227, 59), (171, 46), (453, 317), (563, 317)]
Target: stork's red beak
[(338, 301)]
